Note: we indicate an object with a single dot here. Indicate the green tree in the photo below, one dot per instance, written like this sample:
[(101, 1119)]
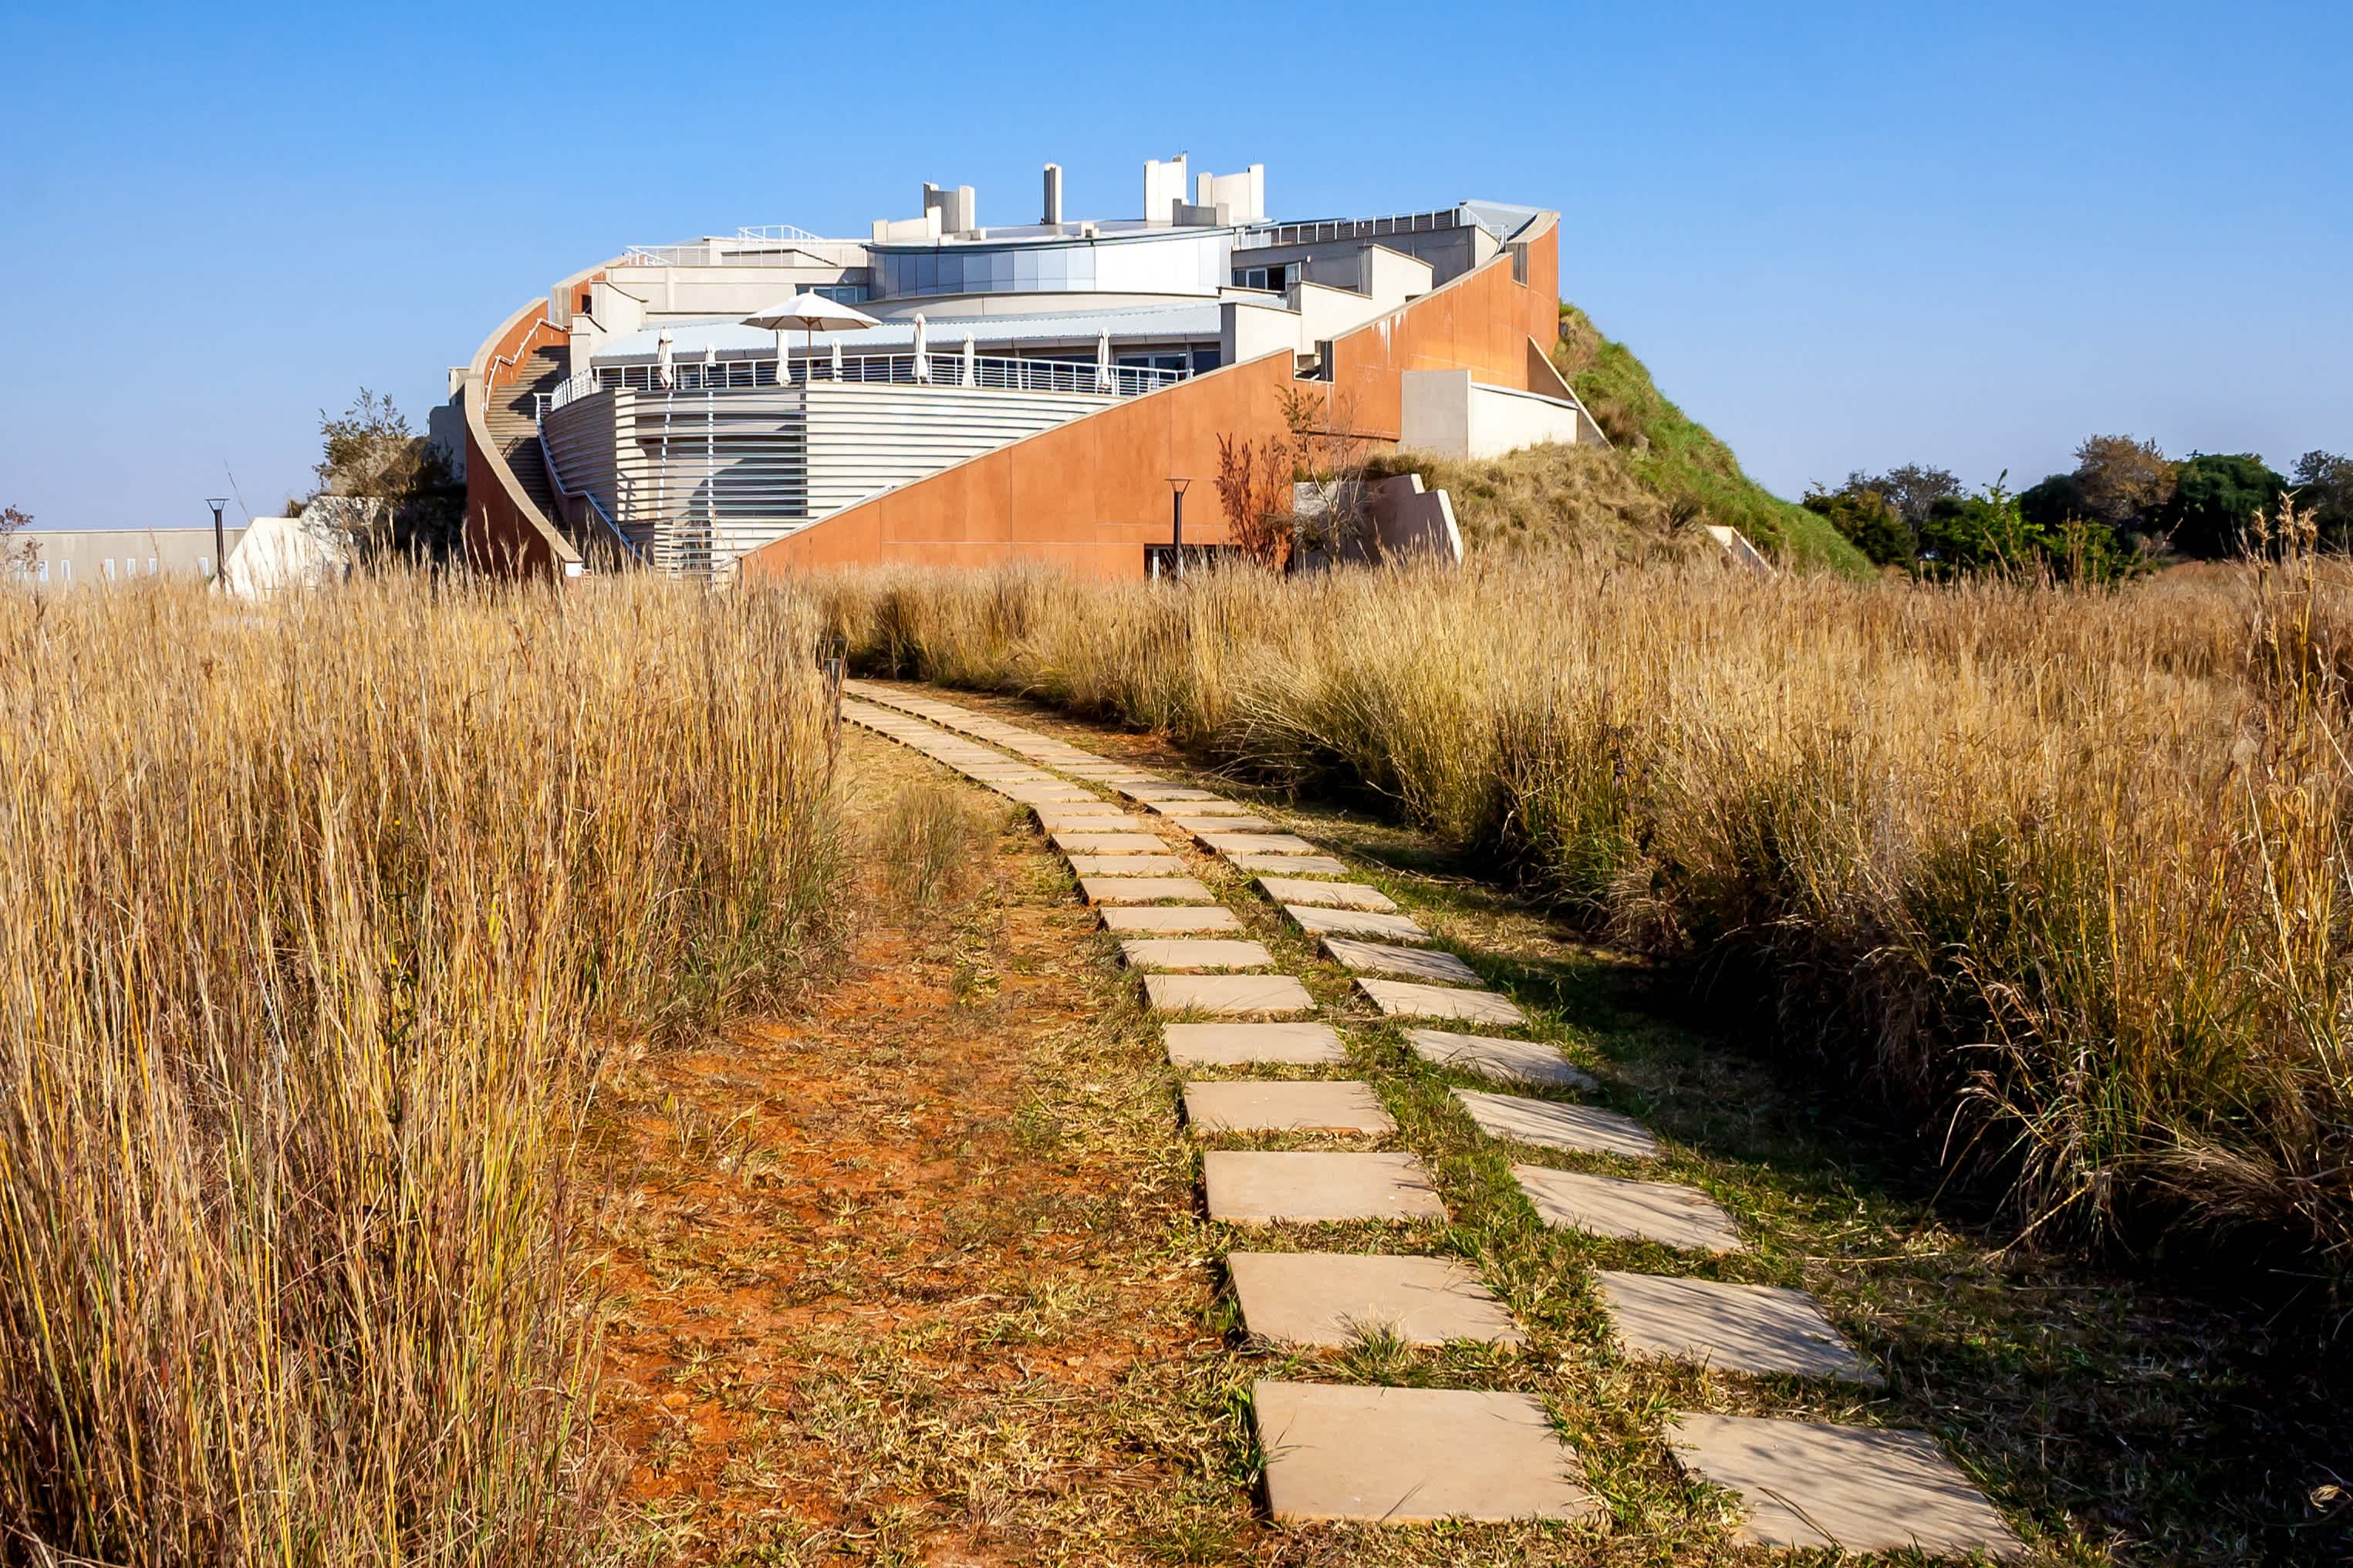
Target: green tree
[(386, 488), (1993, 535), (2323, 485), (2214, 499), (1865, 517), (1913, 489)]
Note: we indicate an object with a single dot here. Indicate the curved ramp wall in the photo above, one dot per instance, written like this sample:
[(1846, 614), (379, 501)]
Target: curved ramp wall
[(505, 530)]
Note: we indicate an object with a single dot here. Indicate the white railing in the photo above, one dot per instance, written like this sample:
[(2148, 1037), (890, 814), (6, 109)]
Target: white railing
[(776, 231), (1347, 228), (565, 492), (1084, 376)]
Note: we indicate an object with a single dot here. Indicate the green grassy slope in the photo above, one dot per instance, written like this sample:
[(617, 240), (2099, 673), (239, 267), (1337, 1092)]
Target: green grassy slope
[(1691, 473)]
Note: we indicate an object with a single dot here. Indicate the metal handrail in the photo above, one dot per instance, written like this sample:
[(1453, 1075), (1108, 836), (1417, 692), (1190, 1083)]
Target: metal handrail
[(555, 477), (776, 231), (1259, 238), (989, 371)]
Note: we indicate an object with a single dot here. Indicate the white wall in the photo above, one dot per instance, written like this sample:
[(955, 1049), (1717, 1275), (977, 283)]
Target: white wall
[(1445, 413)]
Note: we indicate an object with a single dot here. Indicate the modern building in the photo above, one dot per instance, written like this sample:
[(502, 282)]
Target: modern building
[(65, 558), (1028, 391)]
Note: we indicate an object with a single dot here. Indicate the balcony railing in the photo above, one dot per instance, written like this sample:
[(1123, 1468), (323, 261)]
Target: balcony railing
[(1347, 228), (1084, 376)]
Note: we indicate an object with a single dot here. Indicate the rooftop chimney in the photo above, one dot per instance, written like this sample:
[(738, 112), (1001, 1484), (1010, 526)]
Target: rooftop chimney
[(1053, 214)]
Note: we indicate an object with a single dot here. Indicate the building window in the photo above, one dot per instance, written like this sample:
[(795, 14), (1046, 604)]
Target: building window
[(109, 568), (1520, 264)]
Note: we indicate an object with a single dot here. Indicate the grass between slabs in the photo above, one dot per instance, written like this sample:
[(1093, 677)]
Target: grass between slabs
[(2112, 1421)]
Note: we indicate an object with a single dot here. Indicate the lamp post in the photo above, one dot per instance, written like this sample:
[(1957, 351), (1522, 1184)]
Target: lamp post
[(1177, 520), (220, 539)]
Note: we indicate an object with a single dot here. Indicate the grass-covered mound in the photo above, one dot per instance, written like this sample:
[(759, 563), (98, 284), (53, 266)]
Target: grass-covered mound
[(1694, 476)]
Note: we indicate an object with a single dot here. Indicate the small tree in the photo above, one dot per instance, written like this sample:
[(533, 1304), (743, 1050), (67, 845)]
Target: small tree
[(1254, 487), (1328, 455), (16, 554), (2323, 489), (383, 488), (2126, 483), (1868, 520), (1913, 489)]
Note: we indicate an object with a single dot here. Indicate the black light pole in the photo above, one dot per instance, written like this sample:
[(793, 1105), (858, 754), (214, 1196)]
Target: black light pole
[(220, 539), (1176, 521)]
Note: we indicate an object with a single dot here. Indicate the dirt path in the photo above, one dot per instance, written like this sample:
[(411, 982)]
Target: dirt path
[(890, 1272)]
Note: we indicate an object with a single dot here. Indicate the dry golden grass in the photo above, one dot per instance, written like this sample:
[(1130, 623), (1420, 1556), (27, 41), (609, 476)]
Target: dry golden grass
[(2063, 871), (312, 921)]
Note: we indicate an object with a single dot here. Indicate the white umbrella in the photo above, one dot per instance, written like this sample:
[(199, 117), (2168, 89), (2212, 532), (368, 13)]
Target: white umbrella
[(784, 359), (812, 313), (922, 347), (709, 363), (662, 358), (1103, 363), (836, 361), (971, 370)]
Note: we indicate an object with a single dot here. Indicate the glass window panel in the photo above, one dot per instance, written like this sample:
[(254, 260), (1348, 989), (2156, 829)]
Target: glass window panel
[(952, 273), (1000, 271), (1024, 269), (1054, 269), (1083, 266), (927, 272)]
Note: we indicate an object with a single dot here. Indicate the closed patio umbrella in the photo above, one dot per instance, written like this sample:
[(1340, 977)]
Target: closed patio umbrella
[(709, 363), (1103, 363), (812, 313), (922, 347), (971, 368), (664, 359), (837, 361)]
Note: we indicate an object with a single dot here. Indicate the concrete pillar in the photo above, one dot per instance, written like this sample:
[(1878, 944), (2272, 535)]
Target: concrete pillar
[(1053, 213)]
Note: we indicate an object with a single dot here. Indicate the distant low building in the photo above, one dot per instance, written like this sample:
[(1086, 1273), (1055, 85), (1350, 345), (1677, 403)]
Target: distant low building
[(63, 558), (1028, 391)]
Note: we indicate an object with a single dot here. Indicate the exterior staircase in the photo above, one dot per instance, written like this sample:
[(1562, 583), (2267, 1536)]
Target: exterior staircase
[(512, 419)]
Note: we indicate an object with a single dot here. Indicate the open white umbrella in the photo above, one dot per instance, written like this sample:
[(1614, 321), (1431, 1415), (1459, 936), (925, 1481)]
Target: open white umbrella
[(1103, 363), (971, 367), (922, 347), (812, 313), (664, 359)]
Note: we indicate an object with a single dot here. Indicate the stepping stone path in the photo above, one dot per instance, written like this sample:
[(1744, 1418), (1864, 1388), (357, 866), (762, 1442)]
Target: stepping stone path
[(1338, 1298), (1294, 1187), (1583, 1128), (1405, 999), (1516, 1061), (1403, 1456), (1318, 921), (1254, 1105), (1168, 918), (1411, 1455), (1186, 952)]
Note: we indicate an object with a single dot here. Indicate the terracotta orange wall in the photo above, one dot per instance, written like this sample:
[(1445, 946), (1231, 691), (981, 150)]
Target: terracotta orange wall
[(501, 535), (1090, 494)]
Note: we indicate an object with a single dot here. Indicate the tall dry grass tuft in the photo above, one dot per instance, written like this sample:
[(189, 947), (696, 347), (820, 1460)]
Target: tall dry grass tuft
[(2063, 871), (312, 921)]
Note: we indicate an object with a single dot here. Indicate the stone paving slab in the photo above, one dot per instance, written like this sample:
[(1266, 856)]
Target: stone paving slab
[(1199, 827), (1210, 808), (1260, 1105), (1258, 844), (1808, 1485), (1412, 1456), (1162, 791), (1738, 1328), (1317, 865), (1335, 1298), (1294, 1187), (1408, 963), (1076, 841), (1045, 794), (1081, 817), (1188, 952), (1170, 917), (1588, 1129), (1663, 1212), (1126, 865), (1145, 890), (1243, 1045), (1344, 895), (1514, 1061), (1353, 922), (1232, 993), (1405, 999)]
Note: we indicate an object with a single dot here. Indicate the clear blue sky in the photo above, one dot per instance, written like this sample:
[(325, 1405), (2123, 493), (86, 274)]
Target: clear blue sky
[(1843, 235)]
